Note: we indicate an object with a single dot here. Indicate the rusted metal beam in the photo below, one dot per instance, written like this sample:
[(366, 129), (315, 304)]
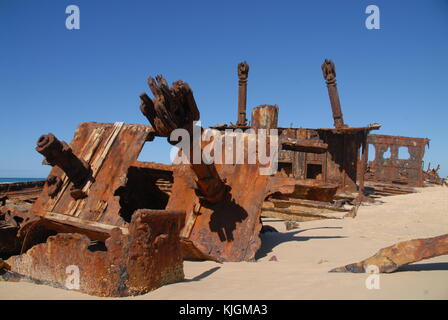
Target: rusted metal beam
[(297, 206), (210, 187), (304, 145), (378, 189), (317, 205), (303, 213), (329, 73), (391, 258), (243, 73)]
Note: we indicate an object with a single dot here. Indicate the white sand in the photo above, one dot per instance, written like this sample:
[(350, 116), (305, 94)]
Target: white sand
[(305, 255)]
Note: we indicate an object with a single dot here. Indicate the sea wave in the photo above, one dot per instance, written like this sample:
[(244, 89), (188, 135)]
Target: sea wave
[(14, 180)]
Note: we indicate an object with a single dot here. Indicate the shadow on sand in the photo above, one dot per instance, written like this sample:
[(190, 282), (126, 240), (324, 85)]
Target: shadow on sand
[(203, 275), (437, 266), (270, 240)]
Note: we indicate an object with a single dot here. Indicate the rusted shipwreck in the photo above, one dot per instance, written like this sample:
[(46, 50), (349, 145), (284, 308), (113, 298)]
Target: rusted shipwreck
[(127, 225), (397, 165), (431, 176), (332, 160)]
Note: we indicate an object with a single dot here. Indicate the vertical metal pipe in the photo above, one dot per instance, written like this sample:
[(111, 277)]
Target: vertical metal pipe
[(329, 73), (243, 73)]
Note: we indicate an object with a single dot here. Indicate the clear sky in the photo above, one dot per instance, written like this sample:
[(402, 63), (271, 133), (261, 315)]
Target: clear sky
[(52, 78)]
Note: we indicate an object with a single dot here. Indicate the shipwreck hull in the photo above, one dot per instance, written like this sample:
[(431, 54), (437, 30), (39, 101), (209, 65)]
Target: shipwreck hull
[(148, 257), (228, 230)]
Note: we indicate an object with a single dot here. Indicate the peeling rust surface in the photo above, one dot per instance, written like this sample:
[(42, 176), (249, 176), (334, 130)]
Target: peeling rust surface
[(109, 150), (227, 230), (392, 258), (148, 257)]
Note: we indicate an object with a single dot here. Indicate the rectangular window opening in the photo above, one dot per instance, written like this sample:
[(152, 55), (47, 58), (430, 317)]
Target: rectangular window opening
[(314, 171)]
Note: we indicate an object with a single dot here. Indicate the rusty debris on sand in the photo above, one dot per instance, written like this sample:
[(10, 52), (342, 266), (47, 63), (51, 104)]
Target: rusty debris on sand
[(391, 258)]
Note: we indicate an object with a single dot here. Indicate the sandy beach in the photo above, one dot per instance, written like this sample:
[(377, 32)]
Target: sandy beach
[(306, 254)]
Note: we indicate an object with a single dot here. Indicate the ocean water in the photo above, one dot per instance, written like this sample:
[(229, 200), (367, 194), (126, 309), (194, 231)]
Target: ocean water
[(11, 180)]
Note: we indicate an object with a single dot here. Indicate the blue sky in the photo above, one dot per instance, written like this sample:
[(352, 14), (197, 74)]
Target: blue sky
[(52, 78)]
